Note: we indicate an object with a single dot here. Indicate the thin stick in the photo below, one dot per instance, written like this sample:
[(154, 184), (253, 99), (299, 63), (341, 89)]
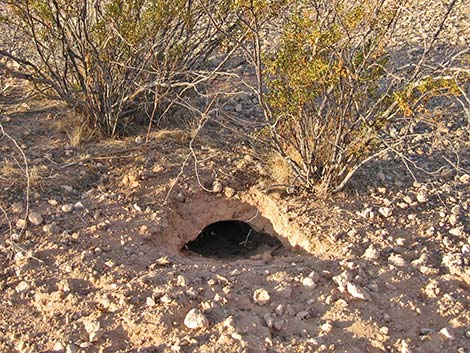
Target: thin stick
[(26, 171)]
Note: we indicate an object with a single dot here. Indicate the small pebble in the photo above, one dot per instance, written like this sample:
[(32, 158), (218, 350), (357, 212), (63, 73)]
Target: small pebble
[(447, 333), (357, 292), (195, 319), (397, 260), (217, 186), (385, 211), (261, 296), (35, 218), (67, 208), (309, 283)]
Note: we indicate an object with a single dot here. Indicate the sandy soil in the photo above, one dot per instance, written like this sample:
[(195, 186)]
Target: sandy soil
[(382, 267)]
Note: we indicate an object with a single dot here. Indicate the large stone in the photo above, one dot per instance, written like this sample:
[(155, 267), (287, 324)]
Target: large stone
[(195, 319)]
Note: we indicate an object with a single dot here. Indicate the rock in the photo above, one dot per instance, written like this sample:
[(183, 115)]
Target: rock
[(302, 315), (217, 186), (371, 253), (238, 108), (22, 287), (397, 260), (195, 319), (229, 192), (458, 231), (71, 348), (150, 301), (465, 178), (50, 228), (400, 241), (405, 348), (35, 218), (447, 333), (326, 328), (79, 206), (385, 211), (357, 292), (278, 325), (342, 280), (280, 309), (421, 197), (67, 208), (261, 296), (455, 210), (465, 250), (181, 281), (309, 283), (269, 320), (314, 276)]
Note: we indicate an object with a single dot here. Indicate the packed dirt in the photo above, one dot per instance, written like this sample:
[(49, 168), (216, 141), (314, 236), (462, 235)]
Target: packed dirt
[(382, 267)]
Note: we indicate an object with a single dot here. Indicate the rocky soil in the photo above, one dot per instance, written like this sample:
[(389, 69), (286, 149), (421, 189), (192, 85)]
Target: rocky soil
[(93, 262)]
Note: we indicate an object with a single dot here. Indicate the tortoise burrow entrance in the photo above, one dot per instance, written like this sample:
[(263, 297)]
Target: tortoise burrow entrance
[(232, 239)]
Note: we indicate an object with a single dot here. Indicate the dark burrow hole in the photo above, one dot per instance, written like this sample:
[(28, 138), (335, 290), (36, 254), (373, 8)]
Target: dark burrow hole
[(233, 239)]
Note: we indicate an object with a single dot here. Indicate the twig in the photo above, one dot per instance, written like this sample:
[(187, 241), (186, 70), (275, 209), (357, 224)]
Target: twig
[(26, 171)]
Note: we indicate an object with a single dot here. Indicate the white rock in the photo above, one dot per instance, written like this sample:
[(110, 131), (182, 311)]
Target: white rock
[(342, 280), (280, 309), (261, 296), (309, 283), (371, 253), (181, 281), (357, 292), (326, 328), (67, 208), (195, 319), (447, 333), (421, 197), (79, 205), (35, 218), (22, 287), (453, 219), (238, 108), (400, 241), (458, 231), (405, 348), (385, 211), (150, 301), (315, 276), (466, 249), (455, 210), (229, 192), (397, 260), (217, 186)]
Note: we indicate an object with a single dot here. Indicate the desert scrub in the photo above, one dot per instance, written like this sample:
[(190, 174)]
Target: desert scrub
[(112, 61), (328, 91)]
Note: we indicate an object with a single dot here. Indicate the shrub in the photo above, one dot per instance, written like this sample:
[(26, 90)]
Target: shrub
[(112, 61), (327, 89)]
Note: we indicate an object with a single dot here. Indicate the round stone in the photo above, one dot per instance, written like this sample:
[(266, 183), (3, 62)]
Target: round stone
[(35, 218)]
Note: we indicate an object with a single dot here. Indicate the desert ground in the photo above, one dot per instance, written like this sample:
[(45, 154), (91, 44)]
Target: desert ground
[(103, 263)]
